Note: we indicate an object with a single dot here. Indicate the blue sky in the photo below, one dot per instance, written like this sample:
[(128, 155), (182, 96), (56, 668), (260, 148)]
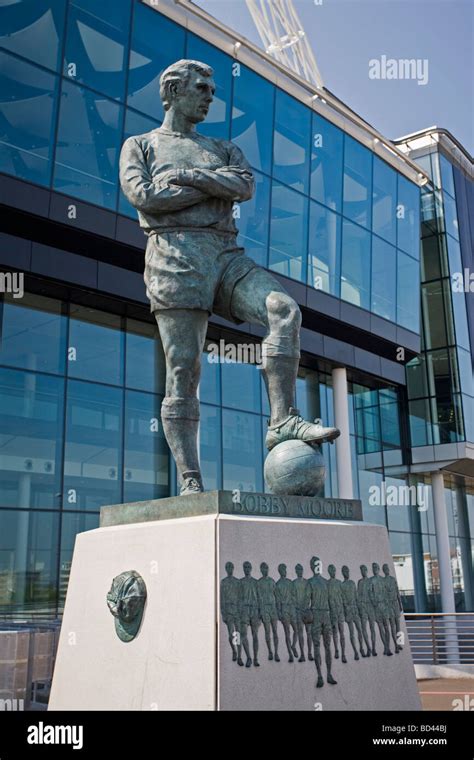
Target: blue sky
[(346, 34)]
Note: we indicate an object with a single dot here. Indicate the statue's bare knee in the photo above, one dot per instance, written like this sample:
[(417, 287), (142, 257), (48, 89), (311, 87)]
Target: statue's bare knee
[(283, 311), (182, 374)]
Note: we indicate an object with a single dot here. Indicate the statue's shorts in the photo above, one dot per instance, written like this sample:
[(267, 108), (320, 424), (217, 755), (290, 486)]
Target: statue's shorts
[(352, 613), (194, 269), (394, 611), (249, 615), (304, 616), (269, 613), (288, 614), (336, 615), (381, 612), (232, 620), (321, 625), (367, 613)]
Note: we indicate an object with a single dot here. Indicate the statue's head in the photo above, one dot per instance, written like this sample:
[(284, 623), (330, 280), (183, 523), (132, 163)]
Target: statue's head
[(188, 87), (345, 572), (332, 570), (247, 568), (229, 568), (363, 571), (264, 569), (299, 570), (126, 601), (282, 570), (375, 568), (386, 569), (315, 565)]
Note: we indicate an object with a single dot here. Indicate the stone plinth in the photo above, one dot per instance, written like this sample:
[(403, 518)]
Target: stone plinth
[(181, 657)]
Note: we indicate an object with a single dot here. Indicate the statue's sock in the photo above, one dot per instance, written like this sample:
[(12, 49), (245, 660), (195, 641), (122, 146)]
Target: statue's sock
[(279, 373), (180, 419)]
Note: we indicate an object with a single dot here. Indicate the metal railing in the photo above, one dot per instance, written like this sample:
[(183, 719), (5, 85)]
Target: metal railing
[(441, 638), (27, 657)]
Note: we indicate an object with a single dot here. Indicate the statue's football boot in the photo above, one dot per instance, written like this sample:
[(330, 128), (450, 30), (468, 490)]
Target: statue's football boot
[(192, 483), (294, 426)]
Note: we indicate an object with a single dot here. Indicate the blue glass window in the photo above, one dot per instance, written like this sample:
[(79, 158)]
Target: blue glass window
[(28, 563), (288, 235), (145, 363), (88, 146), (326, 163), (27, 113), (92, 455), (416, 377), (465, 371), (95, 52), (447, 179), (357, 182), (72, 523), (116, 14), (324, 249), (460, 319), (156, 43), (431, 208), (424, 162), (242, 450), (217, 123), (307, 394), (450, 216), (291, 148), (434, 316), (420, 423), (447, 418), (408, 292), (33, 30), (408, 217), (373, 513), (355, 268), (209, 387), (389, 420), (384, 278), (241, 385), (454, 256), (42, 328), (384, 201), (135, 124), (31, 423), (210, 446), (434, 258), (146, 463), (252, 118), (252, 221), (468, 407), (95, 350)]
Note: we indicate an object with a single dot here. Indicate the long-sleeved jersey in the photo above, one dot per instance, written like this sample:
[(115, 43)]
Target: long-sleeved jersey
[(214, 174)]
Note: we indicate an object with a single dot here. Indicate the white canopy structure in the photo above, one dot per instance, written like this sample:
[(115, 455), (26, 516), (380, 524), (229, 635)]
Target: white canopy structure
[(284, 38)]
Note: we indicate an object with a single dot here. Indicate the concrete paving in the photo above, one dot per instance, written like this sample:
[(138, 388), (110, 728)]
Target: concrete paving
[(447, 694)]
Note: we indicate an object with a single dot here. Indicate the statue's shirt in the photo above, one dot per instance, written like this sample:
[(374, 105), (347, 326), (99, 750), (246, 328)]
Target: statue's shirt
[(285, 592), (215, 174), (301, 594), (266, 590), (249, 591), (349, 593), (230, 594), (318, 593)]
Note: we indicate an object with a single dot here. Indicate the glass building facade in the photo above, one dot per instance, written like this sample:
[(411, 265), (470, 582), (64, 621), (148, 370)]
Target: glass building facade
[(81, 366), (440, 379), (355, 218)]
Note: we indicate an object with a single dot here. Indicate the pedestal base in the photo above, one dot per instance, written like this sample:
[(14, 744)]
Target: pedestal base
[(181, 657)]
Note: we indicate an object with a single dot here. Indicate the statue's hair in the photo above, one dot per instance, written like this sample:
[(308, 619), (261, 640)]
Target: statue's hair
[(180, 72)]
